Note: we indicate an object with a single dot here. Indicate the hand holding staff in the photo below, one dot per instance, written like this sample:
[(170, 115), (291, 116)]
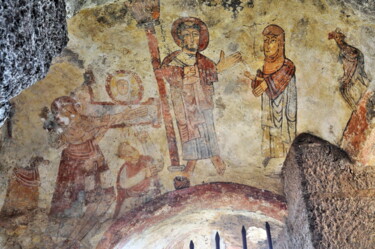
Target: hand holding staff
[(147, 13)]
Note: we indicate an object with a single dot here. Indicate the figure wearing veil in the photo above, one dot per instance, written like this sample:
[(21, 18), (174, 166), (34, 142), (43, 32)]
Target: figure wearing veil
[(276, 84)]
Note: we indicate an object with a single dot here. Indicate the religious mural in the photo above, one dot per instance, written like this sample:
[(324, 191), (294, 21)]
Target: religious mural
[(191, 76), (354, 82), (157, 109), (82, 161), (137, 177), (276, 84)]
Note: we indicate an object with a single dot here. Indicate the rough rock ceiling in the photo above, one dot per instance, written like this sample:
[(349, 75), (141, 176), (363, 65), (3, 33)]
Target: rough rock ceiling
[(32, 33)]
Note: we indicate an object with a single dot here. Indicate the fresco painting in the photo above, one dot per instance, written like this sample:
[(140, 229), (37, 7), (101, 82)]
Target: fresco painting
[(276, 84), (82, 159), (23, 189), (191, 76), (160, 110), (137, 177), (354, 82)]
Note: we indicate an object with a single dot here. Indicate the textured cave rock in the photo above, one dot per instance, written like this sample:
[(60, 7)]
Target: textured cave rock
[(32, 33), (331, 202), (74, 6), (365, 6)]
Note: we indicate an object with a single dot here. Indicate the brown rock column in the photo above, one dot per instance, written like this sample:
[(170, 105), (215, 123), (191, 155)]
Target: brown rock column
[(331, 203)]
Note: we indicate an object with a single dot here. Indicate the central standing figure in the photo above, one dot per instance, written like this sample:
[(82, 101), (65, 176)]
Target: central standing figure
[(191, 76)]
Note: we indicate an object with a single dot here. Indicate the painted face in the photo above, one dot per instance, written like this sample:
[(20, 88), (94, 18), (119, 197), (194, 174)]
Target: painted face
[(62, 119), (64, 115), (190, 39), (270, 45), (122, 87), (128, 152)]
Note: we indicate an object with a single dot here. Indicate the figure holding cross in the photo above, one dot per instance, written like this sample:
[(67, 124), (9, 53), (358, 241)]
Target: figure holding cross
[(191, 76)]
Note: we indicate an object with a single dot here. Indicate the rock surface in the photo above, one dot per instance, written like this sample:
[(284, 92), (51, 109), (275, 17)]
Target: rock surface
[(365, 6), (32, 33), (330, 201)]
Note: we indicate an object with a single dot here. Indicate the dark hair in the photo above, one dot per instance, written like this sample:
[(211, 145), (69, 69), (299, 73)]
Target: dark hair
[(187, 25), (89, 78)]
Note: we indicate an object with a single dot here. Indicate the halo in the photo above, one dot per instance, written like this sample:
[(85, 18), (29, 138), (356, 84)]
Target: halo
[(135, 88), (203, 33)]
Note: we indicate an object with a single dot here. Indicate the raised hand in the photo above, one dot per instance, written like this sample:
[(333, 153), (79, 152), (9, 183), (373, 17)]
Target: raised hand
[(228, 62)]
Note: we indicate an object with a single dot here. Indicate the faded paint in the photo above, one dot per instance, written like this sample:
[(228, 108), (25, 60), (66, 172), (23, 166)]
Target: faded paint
[(112, 65)]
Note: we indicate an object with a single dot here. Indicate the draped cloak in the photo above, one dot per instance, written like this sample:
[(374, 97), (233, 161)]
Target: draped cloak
[(79, 160), (192, 99), (279, 110)]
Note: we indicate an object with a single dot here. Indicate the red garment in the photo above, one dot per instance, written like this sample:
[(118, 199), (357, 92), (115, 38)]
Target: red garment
[(22, 193), (186, 115), (277, 81), (77, 162), (132, 170), (207, 74)]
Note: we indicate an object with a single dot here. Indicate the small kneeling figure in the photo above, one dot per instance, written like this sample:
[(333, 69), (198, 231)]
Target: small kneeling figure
[(137, 177)]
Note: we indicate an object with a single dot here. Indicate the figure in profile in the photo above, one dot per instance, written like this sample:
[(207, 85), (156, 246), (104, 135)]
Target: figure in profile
[(354, 82), (275, 83), (191, 76), (82, 162)]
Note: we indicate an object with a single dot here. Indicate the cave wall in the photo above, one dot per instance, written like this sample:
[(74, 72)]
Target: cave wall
[(330, 199), (114, 128), (32, 33)]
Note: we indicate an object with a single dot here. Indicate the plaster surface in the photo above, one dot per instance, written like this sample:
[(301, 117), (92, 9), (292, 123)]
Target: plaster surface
[(106, 47)]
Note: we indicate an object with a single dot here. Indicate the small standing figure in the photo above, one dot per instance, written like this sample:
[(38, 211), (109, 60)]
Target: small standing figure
[(137, 177), (82, 162), (276, 84), (354, 82), (191, 76)]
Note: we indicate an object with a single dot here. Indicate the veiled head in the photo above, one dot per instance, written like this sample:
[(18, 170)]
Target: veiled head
[(274, 40)]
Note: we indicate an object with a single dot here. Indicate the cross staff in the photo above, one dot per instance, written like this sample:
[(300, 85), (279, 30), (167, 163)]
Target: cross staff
[(146, 13)]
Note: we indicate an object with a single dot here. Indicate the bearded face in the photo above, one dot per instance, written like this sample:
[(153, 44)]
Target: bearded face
[(64, 116), (190, 39)]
